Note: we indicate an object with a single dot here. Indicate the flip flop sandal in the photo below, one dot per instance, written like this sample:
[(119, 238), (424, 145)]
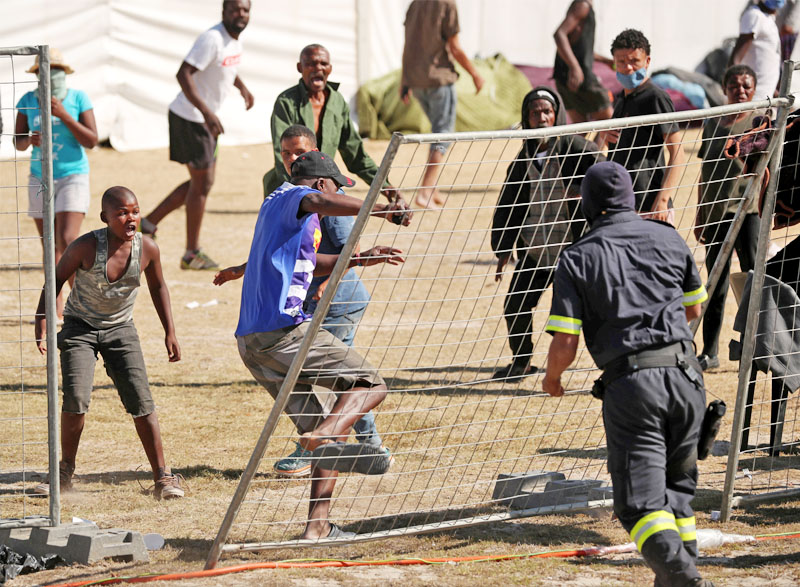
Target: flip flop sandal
[(351, 457), (337, 532)]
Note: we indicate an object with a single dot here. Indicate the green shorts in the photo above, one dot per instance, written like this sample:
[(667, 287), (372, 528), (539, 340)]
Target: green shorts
[(331, 368), (80, 344)]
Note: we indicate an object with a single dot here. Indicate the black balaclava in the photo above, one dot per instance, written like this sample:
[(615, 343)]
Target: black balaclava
[(606, 189)]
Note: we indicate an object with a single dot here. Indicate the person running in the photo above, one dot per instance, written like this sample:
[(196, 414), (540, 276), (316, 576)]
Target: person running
[(205, 76)]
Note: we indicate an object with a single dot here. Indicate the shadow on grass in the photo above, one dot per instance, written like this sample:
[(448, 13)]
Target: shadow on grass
[(506, 531), (91, 574), (768, 514), (243, 382), (749, 561)]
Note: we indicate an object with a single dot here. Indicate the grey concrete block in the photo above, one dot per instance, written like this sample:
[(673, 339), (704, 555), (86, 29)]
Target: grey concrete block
[(539, 499), (557, 492), (77, 543), (509, 486), (603, 492)]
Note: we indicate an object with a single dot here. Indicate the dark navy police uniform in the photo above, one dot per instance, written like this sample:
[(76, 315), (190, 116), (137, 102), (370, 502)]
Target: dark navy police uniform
[(626, 284)]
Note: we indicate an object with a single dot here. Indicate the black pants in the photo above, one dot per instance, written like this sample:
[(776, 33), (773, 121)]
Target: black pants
[(745, 244), (652, 419), (527, 286)]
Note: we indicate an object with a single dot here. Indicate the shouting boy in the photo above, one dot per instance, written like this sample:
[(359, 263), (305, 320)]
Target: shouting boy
[(98, 318)]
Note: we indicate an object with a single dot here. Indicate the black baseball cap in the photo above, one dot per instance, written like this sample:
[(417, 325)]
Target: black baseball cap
[(318, 164)]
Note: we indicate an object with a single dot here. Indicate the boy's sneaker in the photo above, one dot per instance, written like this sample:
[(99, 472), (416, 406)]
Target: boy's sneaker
[(169, 486), (297, 464), (65, 472), (198, 261)]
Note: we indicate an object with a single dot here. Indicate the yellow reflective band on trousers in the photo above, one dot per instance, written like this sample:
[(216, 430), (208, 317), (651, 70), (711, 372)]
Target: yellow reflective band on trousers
[(687, 528), (653, 522)]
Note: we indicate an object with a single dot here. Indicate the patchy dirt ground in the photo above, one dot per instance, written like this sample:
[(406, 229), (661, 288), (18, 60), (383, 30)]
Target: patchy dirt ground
[(212, 411)]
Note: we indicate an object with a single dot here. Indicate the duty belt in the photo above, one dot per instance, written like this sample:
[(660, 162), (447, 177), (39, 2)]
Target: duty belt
[(678, 354)]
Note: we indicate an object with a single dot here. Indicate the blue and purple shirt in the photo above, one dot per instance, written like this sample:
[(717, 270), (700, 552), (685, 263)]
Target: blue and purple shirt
[(281, 263)]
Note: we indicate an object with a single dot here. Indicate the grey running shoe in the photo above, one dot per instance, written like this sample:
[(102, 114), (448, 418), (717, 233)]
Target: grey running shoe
[(198, 261)]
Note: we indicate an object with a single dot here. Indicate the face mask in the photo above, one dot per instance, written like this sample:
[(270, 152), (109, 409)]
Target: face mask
[(773, 4), (633, 80), (58, 83)]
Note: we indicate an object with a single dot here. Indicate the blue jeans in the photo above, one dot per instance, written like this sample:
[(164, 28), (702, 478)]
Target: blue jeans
[(344, 328), (439, 104)]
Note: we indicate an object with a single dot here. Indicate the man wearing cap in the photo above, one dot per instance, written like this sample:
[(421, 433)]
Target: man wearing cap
[(632, 286), (205, 76), (538, 214), (336, 386)]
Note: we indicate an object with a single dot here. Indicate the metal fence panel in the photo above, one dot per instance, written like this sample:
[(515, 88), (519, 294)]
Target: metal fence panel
[(28, 389), (436, 331)]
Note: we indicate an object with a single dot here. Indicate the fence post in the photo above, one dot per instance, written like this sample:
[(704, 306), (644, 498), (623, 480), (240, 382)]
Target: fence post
[(48, 239), (749, 335)]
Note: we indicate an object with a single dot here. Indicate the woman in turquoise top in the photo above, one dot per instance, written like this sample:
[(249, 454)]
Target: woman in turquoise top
[(73, 128)]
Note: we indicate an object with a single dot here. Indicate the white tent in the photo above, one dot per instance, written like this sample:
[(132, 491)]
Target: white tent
[(126, 52)]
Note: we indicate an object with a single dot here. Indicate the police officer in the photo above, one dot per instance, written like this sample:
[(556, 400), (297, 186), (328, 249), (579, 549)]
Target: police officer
[(632, 285)]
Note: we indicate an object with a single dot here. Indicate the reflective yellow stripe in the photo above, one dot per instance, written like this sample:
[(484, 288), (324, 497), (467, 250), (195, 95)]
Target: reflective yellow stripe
[(563, 324), (698, 296), (653, 522), (687, 528)]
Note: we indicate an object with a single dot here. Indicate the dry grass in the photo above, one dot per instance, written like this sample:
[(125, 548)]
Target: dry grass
[(212, 411)]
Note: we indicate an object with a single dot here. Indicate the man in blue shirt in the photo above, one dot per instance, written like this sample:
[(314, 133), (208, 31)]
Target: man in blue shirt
[(632, 286), (348, 304), (336, 386)]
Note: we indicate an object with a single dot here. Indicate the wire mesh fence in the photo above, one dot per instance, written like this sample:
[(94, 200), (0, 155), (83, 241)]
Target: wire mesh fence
[(763, 463), (472, 436), (26, 407)]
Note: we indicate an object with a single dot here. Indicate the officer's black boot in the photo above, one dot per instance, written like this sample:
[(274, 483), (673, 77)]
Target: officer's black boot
[(673, 566)]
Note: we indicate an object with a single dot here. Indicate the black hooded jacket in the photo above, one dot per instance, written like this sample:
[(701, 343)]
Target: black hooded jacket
[(575, 155)]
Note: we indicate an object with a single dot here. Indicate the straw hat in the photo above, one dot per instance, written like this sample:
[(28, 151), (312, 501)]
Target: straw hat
[(56, 62)]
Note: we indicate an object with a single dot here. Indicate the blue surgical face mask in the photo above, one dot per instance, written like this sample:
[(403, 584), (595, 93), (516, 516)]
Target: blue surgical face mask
[(773, 4), (633, 80)]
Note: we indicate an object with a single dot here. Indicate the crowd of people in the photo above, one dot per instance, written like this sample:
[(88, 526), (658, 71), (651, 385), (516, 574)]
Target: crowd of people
[(612, 228)]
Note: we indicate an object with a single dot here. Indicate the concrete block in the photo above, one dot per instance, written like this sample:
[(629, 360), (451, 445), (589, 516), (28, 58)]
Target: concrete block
[(603, 492), (557, 492), (509, 486), (77, 543)]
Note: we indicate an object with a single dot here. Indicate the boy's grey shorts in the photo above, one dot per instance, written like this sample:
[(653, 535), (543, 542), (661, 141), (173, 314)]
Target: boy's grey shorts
[(80, 343), (330, 369)]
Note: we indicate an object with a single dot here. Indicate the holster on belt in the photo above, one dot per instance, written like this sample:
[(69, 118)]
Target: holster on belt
[(677, 354)]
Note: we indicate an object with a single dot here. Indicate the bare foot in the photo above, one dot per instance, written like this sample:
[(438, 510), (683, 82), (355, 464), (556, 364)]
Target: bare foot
[(309, 442), (429, 198)]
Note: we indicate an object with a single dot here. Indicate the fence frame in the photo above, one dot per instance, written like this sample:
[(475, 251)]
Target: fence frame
[(751, 327), (219, 545), (48, 241)]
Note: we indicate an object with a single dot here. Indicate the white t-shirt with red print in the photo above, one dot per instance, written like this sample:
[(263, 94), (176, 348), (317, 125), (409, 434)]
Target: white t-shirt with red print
[(216, 55)]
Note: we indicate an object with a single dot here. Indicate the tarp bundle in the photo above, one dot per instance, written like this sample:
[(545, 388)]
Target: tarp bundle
[(381, 112)]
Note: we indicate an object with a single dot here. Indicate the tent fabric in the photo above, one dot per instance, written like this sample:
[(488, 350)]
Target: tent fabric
[(497, 106)]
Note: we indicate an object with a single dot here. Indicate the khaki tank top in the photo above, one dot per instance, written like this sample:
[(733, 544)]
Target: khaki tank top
[(97, 301)]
